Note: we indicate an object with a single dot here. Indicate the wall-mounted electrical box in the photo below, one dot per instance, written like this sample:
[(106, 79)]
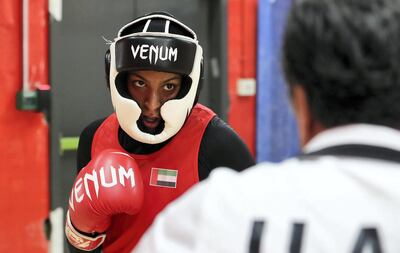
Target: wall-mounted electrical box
[(246, 87)]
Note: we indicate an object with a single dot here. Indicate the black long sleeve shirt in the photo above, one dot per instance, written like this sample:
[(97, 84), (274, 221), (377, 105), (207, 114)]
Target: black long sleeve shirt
[(220, 147)]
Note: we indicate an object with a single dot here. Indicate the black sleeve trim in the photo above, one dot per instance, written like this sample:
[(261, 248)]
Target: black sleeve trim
[(221, 146), (85, 144)]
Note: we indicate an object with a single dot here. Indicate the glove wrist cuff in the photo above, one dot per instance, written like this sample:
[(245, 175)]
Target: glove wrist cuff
[(79, 240)]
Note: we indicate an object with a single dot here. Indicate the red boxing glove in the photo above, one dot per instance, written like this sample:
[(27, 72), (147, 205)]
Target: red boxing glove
[(110, 184)]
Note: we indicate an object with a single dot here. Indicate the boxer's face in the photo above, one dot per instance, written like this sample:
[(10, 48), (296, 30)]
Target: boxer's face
[(151, 89)]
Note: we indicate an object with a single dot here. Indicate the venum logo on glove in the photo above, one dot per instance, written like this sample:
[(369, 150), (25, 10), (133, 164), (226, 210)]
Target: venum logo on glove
[(107, 178), (110, 184)]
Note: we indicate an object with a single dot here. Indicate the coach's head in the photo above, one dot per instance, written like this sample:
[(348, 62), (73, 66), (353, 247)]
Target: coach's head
[(341, 60)]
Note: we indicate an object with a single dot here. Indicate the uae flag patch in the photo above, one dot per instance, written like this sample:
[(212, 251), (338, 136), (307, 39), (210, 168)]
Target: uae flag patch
[(163, 177)]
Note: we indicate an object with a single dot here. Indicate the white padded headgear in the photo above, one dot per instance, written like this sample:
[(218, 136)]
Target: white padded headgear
[(168, 46)]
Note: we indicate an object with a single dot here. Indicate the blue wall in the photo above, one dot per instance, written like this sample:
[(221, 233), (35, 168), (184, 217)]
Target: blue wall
[(276, 135)]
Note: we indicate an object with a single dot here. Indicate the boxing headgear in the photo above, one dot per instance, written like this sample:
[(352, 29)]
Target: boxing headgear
[(155, 42)]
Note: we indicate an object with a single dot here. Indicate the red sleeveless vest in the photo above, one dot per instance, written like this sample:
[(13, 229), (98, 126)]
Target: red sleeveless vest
[(167, 173)]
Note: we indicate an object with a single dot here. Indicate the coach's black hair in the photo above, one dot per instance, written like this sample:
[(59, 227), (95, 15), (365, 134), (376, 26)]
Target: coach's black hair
[(346, 55)]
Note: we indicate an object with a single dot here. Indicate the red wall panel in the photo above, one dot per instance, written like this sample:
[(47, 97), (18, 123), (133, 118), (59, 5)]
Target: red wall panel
[(242, 18), (24, 149)]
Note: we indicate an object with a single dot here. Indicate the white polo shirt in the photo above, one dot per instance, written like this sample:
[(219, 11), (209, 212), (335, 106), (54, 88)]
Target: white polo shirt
[(342, 201)]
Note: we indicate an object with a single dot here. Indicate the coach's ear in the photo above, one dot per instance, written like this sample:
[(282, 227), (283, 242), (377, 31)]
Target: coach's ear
[(307, 125)]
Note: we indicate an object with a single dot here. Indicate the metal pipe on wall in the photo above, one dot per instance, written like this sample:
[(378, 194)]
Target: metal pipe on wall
[(25, 46)]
